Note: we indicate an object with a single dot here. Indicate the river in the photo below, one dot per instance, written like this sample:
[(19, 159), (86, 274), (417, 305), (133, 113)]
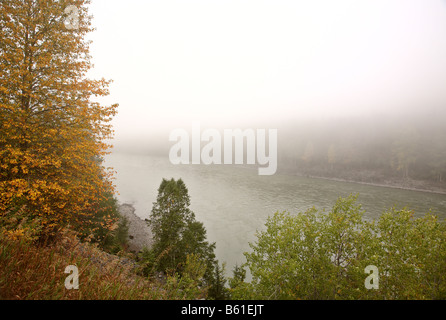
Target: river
[(233, 202)]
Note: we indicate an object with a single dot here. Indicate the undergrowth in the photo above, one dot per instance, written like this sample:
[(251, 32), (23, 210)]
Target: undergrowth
[(36, 271)]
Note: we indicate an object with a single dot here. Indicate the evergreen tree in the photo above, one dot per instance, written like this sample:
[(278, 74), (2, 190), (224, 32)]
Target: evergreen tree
[(177, 236), (218, 290)]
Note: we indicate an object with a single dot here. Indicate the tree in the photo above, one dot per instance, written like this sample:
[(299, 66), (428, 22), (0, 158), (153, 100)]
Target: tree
[(173, 224), (177, 235), (331, 156), (239, 276), (412, 255), (238, 288), (405, 150), (52, 134), (307, 157), (307, 255), (436, 155), (318, 255), (217, 289)]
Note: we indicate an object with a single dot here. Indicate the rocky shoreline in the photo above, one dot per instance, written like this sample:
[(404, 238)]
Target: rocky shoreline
[(140, 235)]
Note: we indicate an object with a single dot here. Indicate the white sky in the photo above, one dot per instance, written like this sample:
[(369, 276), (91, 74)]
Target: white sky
[(232, 61)]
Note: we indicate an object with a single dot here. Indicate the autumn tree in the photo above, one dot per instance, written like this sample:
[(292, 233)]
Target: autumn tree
[(52, 132)]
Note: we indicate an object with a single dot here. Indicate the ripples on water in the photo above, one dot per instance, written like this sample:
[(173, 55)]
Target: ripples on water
[(234, 202)]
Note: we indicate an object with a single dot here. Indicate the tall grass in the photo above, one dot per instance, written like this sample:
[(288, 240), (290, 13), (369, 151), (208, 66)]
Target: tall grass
[(30, 271)]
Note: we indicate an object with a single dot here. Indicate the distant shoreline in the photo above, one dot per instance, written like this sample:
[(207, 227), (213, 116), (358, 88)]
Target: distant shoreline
[(393, 185), (373, 184)]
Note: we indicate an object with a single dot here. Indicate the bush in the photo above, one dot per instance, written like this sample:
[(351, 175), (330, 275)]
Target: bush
[(318, 255), (106, 227), (19, 224)]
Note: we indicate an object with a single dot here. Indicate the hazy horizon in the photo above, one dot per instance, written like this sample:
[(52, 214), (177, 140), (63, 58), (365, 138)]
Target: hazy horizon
[(264, 64)]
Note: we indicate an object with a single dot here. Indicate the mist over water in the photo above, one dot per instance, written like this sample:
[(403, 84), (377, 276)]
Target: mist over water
[(355, 90), (266, 64), (233, 202)]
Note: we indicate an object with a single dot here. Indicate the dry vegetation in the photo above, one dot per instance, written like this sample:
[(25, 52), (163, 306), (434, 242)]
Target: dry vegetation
[(31, 271)]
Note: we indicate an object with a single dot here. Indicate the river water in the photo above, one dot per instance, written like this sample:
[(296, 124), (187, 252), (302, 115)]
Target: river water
[(233, 202)]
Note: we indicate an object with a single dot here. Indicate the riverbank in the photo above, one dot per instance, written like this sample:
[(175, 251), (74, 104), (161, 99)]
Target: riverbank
[(411, 185), (140, 235), (368, 177)]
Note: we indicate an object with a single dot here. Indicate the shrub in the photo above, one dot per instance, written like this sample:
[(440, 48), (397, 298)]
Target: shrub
[(318, 255)]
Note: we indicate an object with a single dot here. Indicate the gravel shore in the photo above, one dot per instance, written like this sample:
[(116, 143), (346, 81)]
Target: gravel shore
[(140, 234)]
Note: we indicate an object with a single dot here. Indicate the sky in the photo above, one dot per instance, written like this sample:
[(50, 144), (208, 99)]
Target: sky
[(240, 62)]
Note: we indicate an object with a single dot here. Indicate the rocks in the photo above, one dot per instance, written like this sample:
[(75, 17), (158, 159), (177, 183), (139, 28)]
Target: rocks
[(140, 235)]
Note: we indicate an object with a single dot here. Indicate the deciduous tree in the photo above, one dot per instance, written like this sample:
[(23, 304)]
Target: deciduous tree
[(52, 132), (318, 255)]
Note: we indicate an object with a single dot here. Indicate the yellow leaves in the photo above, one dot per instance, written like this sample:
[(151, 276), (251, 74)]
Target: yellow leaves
[(49, 150), (34, 195), (24, 169), (61, 205), (14, 234)]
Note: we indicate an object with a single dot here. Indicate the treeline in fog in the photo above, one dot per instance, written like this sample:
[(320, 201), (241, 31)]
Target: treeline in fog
[(409, 151), (405, 151)]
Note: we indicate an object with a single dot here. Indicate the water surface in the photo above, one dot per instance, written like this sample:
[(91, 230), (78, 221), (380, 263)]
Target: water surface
[(233, 202)]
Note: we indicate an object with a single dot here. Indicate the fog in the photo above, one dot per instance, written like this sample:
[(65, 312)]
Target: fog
[(355, 88), (267, 64)]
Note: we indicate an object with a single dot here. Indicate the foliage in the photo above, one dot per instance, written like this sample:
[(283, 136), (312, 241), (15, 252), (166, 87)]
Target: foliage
[(116, 240), (146, 261), (51, 131), (318, 255), (412, 256), (37, 272), (107, 227), (217, 283), (238, 288), (120, 236), (18, 225), (178, 235), (187, 286)]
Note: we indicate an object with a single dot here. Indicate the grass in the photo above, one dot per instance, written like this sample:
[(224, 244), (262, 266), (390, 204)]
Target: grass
[(30, 271)]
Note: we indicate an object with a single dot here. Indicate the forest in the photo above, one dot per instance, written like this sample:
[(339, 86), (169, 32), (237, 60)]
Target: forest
[(399, 150), (404, 151)]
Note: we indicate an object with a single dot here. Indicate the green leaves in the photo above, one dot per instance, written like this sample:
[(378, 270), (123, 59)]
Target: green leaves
[(173, 224), (178, 237), (318, 255), (412, 254)]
